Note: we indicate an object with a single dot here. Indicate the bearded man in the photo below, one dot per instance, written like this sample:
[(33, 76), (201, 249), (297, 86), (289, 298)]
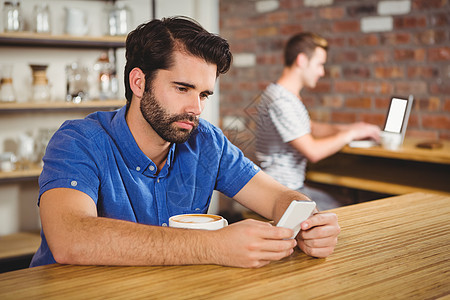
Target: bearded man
[(111, 181)]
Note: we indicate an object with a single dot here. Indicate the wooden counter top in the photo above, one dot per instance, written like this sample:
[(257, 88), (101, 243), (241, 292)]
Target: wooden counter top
[(406, 170), (391, 248), (408, 151)]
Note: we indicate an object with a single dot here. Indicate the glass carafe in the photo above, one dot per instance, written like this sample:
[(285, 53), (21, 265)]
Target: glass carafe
[(7, 93), (41, 89)]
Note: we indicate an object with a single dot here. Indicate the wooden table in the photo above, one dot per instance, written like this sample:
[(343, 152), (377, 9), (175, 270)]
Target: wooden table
[(391, 248), (408, 151), (406, 170)]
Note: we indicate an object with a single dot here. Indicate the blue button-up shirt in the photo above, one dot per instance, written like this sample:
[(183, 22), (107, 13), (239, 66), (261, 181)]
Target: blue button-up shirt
[(99, 157)]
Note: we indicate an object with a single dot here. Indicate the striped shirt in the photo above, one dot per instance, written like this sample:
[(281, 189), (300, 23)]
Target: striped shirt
[(282, 117)]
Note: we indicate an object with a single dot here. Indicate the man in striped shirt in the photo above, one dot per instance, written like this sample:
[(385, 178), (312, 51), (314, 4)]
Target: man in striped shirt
[(286, 136)]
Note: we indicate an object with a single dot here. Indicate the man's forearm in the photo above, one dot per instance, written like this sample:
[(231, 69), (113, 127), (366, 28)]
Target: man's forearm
[(283, 202), (266, 196), (103, 241), (322, 130)]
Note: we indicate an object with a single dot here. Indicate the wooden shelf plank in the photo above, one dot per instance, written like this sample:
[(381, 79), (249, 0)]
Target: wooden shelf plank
[(383, 175), (368, 184), (20, 174), (19, 244), (60, 105), (408, 151), (64, 41)]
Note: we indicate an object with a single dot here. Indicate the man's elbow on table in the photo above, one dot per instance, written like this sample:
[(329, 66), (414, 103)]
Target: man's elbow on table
[(63, 255), (68, 218), (67, 249)]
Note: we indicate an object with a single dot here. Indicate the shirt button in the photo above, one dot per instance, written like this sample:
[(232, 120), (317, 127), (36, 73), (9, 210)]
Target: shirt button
[(164, 224), (73, 183), (197, 209), (157, 180), (255, 167), (138, 168), (152, 168)]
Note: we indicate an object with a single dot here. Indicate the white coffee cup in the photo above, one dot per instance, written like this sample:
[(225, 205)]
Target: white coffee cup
[(391, 140), (198, 221)]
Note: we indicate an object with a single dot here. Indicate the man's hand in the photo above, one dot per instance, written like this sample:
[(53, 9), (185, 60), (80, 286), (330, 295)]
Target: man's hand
[(253, 244), (363, 130), (319, 233)]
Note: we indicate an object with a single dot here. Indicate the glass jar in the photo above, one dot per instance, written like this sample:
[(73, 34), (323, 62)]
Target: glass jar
[(26, 155), (41, 19), (42, 139), (106, 77), (12, 16), (7, 162), (77, 84), (119, 20)]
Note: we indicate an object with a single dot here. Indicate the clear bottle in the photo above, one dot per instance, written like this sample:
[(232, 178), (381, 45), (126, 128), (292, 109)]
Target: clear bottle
[(107, 79), (12, 16)]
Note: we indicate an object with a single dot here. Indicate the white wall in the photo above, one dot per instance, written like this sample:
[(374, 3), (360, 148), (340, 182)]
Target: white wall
[(18, 209)]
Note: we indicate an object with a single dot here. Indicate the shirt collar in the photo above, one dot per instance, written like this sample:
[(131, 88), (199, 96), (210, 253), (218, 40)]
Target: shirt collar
[(131, 153)]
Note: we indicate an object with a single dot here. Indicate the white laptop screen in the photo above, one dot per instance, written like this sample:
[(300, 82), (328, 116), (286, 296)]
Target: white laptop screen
[(396, 115)]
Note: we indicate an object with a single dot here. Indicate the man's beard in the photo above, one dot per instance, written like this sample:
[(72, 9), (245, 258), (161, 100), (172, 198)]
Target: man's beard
[(163, 123)]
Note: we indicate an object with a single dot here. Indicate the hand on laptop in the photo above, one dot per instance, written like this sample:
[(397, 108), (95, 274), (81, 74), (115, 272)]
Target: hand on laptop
[(361, 130)]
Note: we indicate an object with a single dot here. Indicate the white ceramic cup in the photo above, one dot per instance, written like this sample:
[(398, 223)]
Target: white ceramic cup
[(391, 140), (198, 221)]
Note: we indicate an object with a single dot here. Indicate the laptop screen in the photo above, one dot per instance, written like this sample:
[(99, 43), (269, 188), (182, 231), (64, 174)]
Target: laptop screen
[(396, 115)]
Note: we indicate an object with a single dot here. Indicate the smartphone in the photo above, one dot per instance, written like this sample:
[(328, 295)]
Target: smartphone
[(297, 212)]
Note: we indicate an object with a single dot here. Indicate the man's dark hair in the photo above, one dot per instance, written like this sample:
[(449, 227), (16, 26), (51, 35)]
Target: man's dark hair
[(306, 43), (150, 47)]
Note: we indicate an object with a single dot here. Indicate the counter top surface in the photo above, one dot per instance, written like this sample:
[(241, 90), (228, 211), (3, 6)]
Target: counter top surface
[(390, 248)]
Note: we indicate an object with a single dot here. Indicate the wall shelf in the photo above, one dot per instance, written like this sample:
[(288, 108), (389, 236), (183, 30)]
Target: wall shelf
[(29, 174), (19, 244), (380, 174), (27, 39), (60, 106)]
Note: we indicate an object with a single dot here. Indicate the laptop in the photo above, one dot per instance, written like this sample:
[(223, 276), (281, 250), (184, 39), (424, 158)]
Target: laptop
[(396, 121)]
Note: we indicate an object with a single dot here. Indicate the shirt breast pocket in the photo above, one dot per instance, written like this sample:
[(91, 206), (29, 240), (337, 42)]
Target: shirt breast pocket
[(186, 196)]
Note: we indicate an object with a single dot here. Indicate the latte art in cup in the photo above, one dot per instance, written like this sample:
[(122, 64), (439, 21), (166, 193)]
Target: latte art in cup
[(197, 218), (198, 221)]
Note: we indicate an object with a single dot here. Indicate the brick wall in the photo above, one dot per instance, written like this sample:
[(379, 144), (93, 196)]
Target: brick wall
[(377, 49)]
